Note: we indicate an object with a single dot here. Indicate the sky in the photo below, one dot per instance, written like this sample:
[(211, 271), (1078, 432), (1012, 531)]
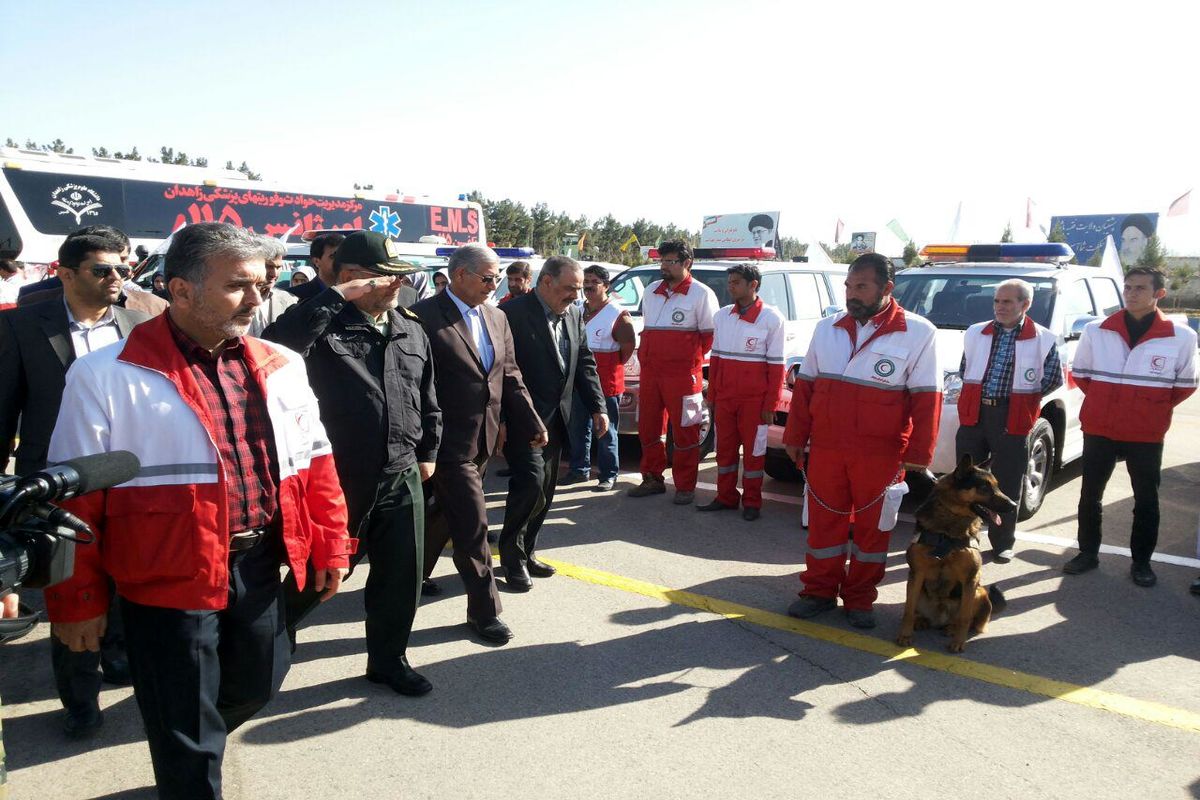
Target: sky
[(662, 109)]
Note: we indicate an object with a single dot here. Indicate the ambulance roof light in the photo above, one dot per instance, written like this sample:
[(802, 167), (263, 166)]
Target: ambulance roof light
[(503, 252)]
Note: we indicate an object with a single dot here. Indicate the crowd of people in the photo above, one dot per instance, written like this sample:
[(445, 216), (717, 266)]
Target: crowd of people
[(355, 413)]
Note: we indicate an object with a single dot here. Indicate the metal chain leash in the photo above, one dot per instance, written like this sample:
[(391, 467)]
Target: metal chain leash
[(808, 488)]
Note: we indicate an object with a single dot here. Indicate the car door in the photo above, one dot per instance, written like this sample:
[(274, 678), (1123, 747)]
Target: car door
[(1076, 304)]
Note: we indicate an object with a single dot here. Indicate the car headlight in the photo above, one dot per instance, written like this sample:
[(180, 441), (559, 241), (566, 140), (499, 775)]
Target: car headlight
[(951, 387)]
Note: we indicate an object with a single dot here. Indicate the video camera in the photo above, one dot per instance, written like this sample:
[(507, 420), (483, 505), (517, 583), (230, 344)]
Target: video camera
[(37, 538)]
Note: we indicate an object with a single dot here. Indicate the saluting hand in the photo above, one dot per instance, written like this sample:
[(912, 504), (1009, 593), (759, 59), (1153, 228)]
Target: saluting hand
[(352, 290)]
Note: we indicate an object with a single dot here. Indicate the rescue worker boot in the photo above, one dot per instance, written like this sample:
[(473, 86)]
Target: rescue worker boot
[(651, 484)]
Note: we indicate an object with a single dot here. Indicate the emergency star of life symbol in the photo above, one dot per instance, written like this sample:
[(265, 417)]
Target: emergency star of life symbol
[(884, 367), (677, 317), (76, 200), (385, 221)]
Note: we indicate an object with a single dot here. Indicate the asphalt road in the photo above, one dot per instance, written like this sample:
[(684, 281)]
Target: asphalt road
[(658, 664)]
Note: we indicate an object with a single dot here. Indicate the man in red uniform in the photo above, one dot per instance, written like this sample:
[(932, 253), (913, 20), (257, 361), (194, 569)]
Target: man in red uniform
[(745, 377), (867, 403), (678, 314), (520, 281)]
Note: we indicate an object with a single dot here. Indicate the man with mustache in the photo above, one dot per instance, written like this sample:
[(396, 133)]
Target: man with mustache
[(678, 313), (866, 403)]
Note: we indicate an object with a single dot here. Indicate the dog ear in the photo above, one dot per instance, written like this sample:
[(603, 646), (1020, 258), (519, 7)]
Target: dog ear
[(965, 465)]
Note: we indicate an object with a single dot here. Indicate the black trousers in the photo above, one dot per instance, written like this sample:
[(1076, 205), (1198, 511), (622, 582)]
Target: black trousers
[(392, 535), (1143, 462), (199, 674), (530, 494), (77, 676), (459, 514), (1010, 456)]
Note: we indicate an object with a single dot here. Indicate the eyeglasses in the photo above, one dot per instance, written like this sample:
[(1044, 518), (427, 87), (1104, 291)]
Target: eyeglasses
[(102, 271), (671, 262), (490, 280)]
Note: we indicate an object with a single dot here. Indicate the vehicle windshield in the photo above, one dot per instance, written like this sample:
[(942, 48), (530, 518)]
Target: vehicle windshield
[(628, 287), (957, 302)]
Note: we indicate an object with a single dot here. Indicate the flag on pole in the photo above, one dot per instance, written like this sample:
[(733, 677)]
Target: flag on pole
[(957, 221), (1028, 212), (894, 227), (1180, 206), (837, 232)]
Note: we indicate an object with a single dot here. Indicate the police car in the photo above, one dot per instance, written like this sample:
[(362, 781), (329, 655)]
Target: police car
[(955, 291), (803, 292)]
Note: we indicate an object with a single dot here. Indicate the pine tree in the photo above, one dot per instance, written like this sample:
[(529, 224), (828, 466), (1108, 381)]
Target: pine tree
[(1153, 255)]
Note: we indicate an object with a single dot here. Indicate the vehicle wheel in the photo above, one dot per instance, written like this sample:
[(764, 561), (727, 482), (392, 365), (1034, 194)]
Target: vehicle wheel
[(1039, 469), (782, 468)]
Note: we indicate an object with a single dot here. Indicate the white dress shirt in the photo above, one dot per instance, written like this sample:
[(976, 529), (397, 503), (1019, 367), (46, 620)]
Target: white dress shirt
[(85, 339), (474, 319)]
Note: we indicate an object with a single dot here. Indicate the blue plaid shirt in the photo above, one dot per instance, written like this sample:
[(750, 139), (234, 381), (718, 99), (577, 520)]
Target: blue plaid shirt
[(998, 377)]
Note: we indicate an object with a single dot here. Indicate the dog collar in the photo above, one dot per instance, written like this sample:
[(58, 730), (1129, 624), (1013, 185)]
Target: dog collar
[(942, 544)]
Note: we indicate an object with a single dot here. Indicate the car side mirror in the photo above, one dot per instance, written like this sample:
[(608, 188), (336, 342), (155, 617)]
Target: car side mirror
[(1077, 326), (831, 310)]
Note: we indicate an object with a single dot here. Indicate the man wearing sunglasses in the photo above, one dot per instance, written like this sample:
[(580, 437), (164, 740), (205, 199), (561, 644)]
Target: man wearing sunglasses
[(37, 344)]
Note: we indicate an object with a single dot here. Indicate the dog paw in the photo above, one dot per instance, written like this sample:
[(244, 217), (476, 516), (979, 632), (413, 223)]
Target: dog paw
[(956, 647), (904, 640)]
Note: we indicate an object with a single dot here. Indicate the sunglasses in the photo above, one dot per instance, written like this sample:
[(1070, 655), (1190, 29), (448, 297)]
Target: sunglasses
[(104, 270), (490, 280)]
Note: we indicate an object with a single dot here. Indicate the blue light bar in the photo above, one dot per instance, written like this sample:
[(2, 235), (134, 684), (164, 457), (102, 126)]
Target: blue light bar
[(1058, 252), (503, 252)]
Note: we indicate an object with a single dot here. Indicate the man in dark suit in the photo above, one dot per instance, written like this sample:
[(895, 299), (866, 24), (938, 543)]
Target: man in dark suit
[(37, 344), (552, 352), (321, 251), (477, 377)]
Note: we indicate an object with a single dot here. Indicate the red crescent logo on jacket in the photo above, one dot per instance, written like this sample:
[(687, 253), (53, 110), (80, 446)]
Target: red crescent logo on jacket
[(1158, 363), (751, 344)]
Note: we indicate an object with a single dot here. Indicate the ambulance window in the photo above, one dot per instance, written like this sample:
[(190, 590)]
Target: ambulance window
[(774, 291), (1077, 302), (1106, 294), (628, 289), (807, 300)]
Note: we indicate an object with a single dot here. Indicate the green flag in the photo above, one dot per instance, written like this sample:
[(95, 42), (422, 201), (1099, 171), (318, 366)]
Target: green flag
[(894, 227)]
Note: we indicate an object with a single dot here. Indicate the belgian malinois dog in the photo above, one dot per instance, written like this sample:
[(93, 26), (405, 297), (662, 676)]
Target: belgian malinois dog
[(944, 590)]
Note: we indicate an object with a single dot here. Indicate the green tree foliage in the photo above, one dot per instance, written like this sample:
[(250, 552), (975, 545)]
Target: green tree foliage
[(511, 224), (1007, 236), (1154, 255), (1057, 234), (911, 255), (57, 146)]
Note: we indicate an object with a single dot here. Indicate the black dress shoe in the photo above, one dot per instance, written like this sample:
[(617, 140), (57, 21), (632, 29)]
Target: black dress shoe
[(539, 569), (430, 589), (116, 672), (517, 577), (1080, 564), (403, 679), (750, 513), (716, 505), (492, 629), (82, 724), (1142, 575)]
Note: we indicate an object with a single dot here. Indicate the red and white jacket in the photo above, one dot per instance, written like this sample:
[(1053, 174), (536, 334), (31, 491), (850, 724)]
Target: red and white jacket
[(606, 349), (747, 355), (1034, 344), (1129, 394), (164, 536), (876, 389), (678, 327)]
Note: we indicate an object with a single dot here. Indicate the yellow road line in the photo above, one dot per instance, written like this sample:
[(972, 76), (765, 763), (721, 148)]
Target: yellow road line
[(1144, 710)]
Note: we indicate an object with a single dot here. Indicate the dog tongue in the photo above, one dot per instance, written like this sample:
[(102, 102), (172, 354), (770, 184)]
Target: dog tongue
[(993, 517)]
